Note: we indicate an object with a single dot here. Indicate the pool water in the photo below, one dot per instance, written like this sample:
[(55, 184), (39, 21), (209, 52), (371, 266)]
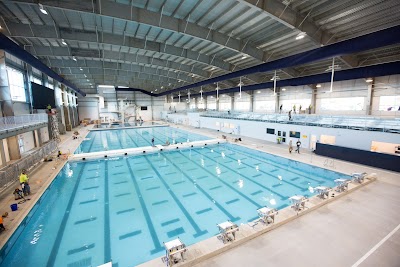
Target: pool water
[(124, 208), (129, 138)]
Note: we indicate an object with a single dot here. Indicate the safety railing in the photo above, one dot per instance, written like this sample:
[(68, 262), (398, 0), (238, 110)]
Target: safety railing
[(10, 174), (347, 122), (22, 120)]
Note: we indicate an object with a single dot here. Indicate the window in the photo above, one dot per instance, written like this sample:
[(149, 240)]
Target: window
[(270, 131), (294, 134), (350, 103), (211, 106), (17, 86), (265, 105), (242, 106), (289, 104), (37, 80), (224, 106), (389, 103)]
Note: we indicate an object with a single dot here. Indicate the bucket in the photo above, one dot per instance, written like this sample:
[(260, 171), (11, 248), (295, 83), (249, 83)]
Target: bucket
[(14, 207)]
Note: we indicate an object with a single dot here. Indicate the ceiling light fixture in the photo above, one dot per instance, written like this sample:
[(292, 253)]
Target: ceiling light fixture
[(300, 36), (41, 8), (244, 57), (369, 80), (74, 58), (318, 86), (63, 42), (283, 89), (81, 69), (213, 68)]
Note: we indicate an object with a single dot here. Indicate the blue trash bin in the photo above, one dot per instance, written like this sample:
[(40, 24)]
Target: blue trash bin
[(14, 207)]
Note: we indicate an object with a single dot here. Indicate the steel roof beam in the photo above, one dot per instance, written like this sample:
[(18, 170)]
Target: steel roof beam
[(153, 19), (51, 32), (296, 21), (44, 51)]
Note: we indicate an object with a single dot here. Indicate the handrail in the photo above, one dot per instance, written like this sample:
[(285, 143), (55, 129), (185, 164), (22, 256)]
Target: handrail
[(330, 121), (22, 120), (10, 174)]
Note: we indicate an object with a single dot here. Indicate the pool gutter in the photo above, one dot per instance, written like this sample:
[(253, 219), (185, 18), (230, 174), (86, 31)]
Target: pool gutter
[(213, 246)]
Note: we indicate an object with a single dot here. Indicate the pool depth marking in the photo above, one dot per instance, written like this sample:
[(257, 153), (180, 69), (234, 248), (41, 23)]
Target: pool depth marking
[(60, 233), (153, 234), (199, 232), (234, 189), (233, 219), (107, 230), (266, 173)]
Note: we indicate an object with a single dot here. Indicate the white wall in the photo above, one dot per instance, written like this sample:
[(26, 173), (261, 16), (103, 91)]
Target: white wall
[(344, 137), (88, 108), (20, 108), (29, 142)]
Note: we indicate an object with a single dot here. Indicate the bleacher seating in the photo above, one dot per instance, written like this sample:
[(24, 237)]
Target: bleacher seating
[(346, 122)]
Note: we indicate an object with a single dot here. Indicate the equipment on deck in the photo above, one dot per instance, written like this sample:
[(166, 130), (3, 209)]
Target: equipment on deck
[(267, 214), (174, 249), (227, 228)]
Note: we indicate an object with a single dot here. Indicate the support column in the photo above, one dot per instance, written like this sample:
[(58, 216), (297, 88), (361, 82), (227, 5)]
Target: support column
[(152, 107), (232, 95), (2, 154), (277, 100), (251, 94), (5, 95), (28, 86), (313, 99), (67, 117), (217, 104), (37, 137), (368, 103), (13, 147)]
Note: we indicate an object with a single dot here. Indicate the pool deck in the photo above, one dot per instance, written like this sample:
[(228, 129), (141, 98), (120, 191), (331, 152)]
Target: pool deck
[(340, 233)]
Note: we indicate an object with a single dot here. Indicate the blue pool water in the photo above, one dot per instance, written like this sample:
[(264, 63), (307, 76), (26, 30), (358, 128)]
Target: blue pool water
[(130, 138), (124, 208)]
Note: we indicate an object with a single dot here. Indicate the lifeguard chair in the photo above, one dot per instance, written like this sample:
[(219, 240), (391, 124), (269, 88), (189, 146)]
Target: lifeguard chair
[(175, 250), (226, 229)]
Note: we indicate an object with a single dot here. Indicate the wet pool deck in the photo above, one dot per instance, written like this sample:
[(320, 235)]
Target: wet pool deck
[(337, 233)]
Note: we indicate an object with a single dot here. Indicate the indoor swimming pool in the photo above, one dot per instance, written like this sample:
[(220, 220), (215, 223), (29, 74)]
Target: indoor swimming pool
[(123, 209), (129, 138)]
